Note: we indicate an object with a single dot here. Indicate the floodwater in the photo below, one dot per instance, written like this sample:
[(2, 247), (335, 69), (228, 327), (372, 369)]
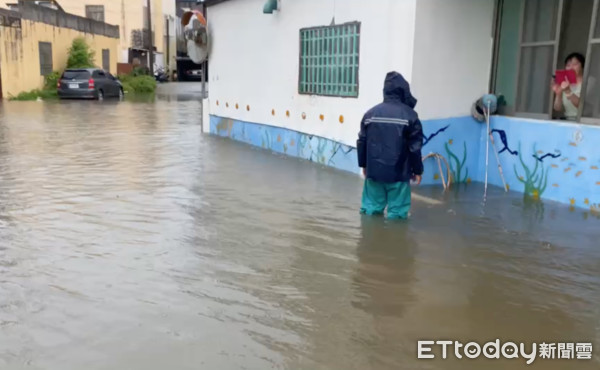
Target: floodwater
[(130, 240)]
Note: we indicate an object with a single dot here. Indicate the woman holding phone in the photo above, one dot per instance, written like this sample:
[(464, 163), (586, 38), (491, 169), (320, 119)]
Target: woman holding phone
[(567, 93)]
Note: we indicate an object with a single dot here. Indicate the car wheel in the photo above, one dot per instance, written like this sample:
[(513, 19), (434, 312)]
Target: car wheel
[(121, 94), (100, 95)]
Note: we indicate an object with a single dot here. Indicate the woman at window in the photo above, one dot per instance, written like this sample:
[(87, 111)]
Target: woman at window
[(567, 95)]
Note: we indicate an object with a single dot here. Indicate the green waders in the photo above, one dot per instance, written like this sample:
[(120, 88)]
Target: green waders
[(376, 196)]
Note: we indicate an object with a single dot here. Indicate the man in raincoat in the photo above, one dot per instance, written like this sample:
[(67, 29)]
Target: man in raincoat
[(389, 150)]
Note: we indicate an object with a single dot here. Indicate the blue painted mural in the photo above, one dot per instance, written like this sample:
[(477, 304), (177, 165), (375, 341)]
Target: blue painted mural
[(313, 148), (554, 160), (544, 160)]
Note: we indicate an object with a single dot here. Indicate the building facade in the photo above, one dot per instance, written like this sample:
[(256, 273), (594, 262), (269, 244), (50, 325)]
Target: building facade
[(131, 17), (36, 41), (297, 80)]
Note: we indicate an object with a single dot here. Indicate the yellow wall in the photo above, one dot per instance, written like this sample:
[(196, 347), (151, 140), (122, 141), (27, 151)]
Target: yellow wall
[(20, 58), (127, 14)]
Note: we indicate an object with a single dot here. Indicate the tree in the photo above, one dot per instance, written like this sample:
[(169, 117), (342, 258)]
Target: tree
[(80, 55)]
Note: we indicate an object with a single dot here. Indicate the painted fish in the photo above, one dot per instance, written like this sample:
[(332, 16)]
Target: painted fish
[(594, 167), (554, 166), (568, 169), (572, 144), (582, 158), (578, 173)]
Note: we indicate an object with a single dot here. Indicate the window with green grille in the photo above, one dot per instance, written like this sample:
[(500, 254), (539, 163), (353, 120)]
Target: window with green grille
[(329, 60)]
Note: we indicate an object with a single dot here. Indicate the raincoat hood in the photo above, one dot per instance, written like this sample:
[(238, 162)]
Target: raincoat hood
[(397, 89)]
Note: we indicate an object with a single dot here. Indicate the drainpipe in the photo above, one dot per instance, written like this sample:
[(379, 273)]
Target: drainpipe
[(205, 63), (151, 56)]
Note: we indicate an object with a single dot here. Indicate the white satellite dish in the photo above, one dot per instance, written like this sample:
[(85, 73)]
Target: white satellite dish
[(195, 32)]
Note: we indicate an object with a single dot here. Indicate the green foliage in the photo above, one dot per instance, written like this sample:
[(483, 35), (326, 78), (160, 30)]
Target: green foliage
[(26, 96), (535, 183), (138, 84), (140, 71), (457, 166), (80, 54), (51, 80), (127, 87), (34, 95), (48, 94)]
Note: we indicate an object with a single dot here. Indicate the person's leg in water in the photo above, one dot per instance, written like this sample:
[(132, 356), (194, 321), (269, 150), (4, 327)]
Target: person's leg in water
[(374, 198), (398, 198)]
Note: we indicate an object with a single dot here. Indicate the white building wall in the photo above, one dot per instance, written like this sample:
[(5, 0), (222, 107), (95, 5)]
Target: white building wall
[(452, 55), (255, 61)]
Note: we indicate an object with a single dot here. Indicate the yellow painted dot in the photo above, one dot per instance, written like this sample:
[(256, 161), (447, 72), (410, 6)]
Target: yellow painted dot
[(586, 202), (303, 115), (572, 200), (237, 106), (227, 105), (248, 108), (217, 102), (321, 117), (272, 112), (341, 119), (287, 113)]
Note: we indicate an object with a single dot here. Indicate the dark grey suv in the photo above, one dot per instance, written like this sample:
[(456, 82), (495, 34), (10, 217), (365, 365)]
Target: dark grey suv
[(88, 83)]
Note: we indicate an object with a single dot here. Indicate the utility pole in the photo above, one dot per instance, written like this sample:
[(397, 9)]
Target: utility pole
[(205, 63), (151, 55)]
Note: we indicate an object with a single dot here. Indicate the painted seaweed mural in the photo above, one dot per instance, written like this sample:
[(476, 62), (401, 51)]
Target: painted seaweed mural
[(457, 166), (535, 182), (335, 149), (504, 141), (428, 138), (266, 140)]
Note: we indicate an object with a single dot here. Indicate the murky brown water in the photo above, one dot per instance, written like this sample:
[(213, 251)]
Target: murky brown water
[(128, 240)]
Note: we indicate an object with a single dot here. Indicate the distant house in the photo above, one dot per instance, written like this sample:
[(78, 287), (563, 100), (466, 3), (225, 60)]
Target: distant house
[(131, 17), (36, 40), (297, 76)]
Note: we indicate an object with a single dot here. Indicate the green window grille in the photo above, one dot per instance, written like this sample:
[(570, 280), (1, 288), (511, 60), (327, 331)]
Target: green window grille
[(329, 60)]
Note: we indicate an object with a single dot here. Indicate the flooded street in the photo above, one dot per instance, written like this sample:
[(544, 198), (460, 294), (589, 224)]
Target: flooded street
[(131, 240)]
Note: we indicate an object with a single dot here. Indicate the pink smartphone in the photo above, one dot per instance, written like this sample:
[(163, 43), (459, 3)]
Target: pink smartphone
[(564, 74)]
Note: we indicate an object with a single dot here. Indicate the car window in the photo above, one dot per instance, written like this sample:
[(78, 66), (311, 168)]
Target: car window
[(99, 74), (76, 75)]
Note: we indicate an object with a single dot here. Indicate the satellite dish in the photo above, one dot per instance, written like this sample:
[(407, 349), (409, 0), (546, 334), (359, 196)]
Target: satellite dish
[(195, 32)]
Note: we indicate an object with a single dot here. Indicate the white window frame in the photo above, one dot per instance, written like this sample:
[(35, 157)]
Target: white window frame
[(556, 45)]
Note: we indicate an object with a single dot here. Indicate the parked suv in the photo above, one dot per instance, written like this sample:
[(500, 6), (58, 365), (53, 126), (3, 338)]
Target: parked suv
[(88, 83)]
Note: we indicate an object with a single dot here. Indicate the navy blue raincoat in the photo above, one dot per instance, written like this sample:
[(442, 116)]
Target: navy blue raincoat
[(391, 136)]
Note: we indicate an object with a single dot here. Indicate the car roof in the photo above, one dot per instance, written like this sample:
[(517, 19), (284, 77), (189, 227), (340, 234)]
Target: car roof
[(83, 69)]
